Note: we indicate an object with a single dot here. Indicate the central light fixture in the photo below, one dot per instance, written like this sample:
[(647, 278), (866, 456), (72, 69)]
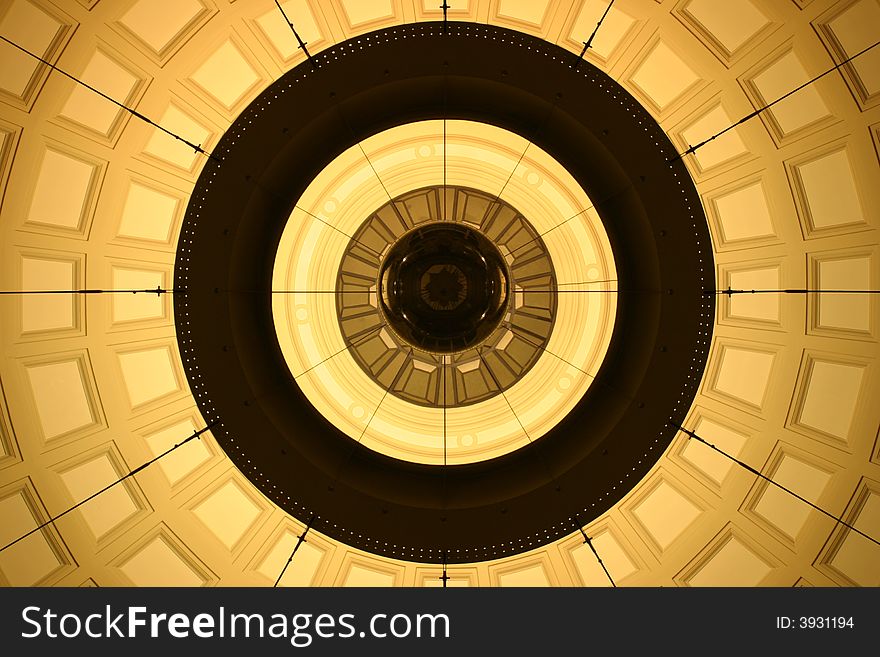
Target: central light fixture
[(443, 287), (344, 424)]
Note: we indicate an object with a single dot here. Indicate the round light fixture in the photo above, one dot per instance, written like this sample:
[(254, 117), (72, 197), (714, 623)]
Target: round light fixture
[(239, 364)]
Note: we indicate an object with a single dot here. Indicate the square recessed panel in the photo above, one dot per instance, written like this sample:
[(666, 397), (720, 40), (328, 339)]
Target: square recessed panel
[(528, 11), (707, 460), (48, 312), (31, 27), (828, 192), (758, 307), (148, 214), (359, 12), (148, 375), (184, 460), (613, 555), (61, 396), (781, 509), (87, 108), (665, 513), (228, 513), (744, 374), (798, 110), (109, 509), (722, 149), (733, 564), (854, 30), (31, 560), (62, 192), (663, 76), (301, 571), (851, 312), (161, 562), (731, 23), (614, 28), (360, 574), (158, 23), (529, 576), (141, 306), (829, 395), (277, 30), (226, 75), (856, 558), (744, 214), (171, 150)]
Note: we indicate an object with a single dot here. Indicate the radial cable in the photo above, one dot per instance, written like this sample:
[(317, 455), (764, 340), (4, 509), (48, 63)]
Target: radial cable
[(769, 480), (51, 520)]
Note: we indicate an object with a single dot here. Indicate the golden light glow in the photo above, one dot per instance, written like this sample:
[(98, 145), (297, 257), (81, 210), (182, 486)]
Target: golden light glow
[(409, 157)]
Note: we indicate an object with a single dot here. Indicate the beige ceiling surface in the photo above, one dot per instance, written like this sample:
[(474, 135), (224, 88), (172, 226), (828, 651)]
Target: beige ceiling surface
[(92, 386)]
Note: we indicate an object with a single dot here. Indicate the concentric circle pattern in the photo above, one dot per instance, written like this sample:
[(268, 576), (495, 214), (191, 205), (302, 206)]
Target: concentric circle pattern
[(94, 385), (575, 254), (606, 438), (412, 369)]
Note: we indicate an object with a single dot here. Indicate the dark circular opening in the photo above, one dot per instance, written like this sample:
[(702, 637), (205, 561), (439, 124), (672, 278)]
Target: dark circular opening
[(443, 287)]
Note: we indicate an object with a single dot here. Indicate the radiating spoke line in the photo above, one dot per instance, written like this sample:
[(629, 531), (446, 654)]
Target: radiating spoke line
[(158, 291), (391, 385), (132, 473), (604, 280), (580, 213), (339, 230), (360, 145), (348, 346), (320, 291), (501, 392), (299, 541), (444, 577), (272, 194), (196, 147), (551, 229), (553, 290), (838, 519), (730, 291), (693, 149), (534, 134), (548, 470), (302, 44), (544, 349), (445, 112), (589, 42), (444, 368), (589, 542), (367, 157)]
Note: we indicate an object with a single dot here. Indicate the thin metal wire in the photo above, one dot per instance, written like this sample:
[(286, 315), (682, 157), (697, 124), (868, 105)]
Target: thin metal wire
[(589, 42), (693, 149), (302, 44), (589, 542), (158, 291), (196, 434), (729, 291), (196, 147), (300, 540), (347, 346), (838, 519)]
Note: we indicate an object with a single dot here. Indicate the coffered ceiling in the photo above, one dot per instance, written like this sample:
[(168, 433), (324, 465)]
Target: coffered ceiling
[(93, 385)]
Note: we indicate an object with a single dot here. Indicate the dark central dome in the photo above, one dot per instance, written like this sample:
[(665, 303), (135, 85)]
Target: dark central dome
[(443, 287)]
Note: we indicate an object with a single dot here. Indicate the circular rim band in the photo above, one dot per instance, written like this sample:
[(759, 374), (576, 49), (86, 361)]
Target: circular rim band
[(611, 146)]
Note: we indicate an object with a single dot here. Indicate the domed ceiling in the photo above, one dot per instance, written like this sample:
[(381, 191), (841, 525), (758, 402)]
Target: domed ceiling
[(95, 384)]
